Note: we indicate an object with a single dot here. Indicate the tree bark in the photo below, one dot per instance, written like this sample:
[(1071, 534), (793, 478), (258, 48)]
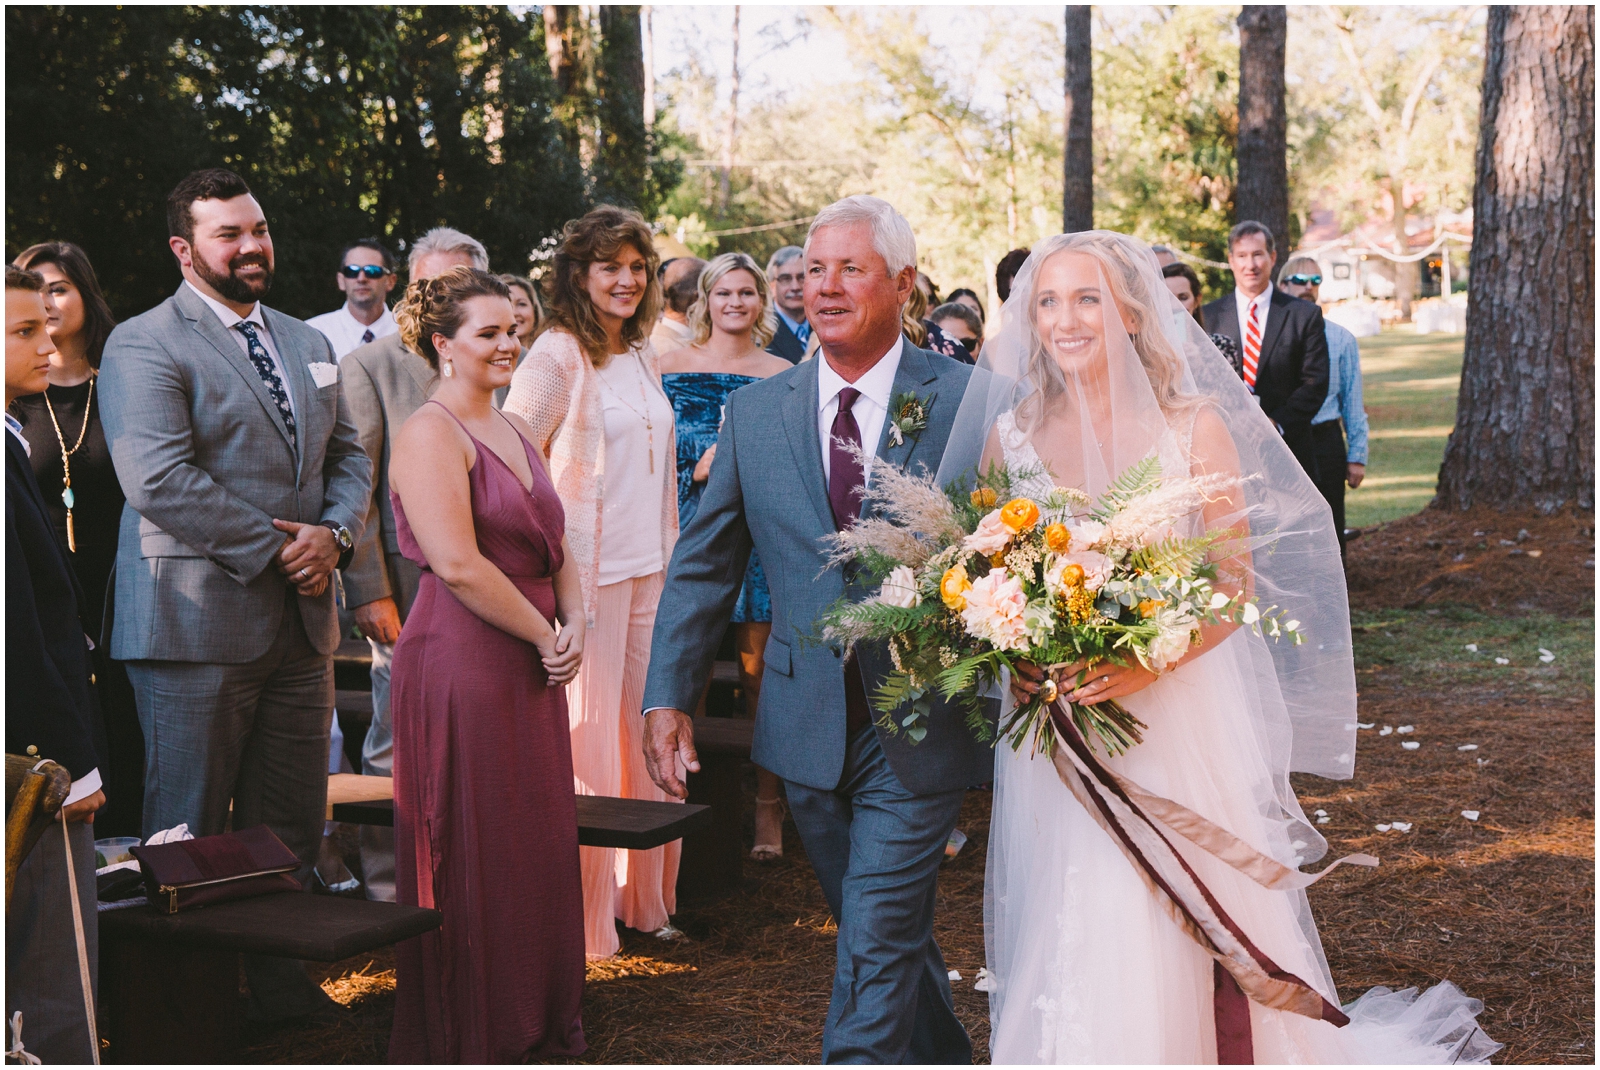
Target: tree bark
[(1524, 433), (647, 24), (730, 132), (1262, 192), (1077, 186)]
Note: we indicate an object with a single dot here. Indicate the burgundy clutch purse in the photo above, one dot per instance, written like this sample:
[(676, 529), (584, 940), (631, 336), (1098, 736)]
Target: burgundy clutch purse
[(216, 869)]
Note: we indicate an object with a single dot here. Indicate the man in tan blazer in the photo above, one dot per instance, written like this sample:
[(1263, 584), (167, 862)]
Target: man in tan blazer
[(384, 383)]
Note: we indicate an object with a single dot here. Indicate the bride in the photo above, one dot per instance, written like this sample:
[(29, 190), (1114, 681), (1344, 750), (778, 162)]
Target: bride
[(1096, 953)]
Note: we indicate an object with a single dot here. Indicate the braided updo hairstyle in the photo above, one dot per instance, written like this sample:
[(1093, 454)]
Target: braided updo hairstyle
[(438, 306)]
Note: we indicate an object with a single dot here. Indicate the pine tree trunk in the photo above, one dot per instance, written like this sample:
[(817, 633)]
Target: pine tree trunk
[(730, 132), (1524, 433), (1077, 186), (1262, 191)]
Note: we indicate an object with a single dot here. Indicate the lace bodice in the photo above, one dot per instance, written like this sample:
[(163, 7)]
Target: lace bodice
[(1175, 450)]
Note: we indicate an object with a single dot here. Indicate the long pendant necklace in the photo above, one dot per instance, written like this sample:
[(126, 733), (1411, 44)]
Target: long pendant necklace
[(67, 497), (649, 427)]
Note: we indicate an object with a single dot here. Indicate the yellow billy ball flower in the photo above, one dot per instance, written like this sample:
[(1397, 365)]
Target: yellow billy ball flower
[(1072, 576), (1019, 514), (984, 498), (953, 587), (1057, 539)]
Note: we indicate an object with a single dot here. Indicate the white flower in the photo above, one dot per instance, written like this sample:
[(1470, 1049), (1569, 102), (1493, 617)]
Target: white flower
[(896, 437), (991, 536), (995, 605), (1096, 569), (1086, 533), (1173, 638), (900, 589)]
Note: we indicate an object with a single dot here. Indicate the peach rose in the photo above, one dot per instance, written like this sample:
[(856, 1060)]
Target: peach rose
[(991, 537)]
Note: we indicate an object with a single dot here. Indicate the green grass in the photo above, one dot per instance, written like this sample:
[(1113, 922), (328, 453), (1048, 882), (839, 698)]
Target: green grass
[(1427, 648), (1409, 383)]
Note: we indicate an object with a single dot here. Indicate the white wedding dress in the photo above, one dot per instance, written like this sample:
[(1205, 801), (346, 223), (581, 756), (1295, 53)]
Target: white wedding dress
[(1084, 964)]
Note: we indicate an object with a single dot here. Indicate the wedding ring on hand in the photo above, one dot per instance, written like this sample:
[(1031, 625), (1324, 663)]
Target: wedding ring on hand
[(303, 575)]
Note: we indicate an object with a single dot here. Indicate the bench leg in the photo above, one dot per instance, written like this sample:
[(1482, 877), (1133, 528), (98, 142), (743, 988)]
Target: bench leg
[(170, 1004), (713, 858)]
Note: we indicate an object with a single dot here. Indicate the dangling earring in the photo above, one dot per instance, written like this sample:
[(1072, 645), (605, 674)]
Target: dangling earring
[(449, 369)]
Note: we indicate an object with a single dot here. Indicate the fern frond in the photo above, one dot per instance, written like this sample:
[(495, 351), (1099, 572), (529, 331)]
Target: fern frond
[(1136, 482)]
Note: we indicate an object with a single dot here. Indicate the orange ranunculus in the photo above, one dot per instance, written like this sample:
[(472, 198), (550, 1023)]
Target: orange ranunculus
[(1148, 607), (1072, 576), (953, 587), (1019, 514), (984, 498), (1057, 539)]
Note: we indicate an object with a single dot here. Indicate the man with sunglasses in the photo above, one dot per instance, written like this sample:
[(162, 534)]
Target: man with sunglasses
[(365, 277), (1342, 415)]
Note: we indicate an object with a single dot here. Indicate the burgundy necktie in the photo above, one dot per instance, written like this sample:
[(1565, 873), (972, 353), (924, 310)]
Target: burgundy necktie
[(845, 480), (366, 336), (845, 485)]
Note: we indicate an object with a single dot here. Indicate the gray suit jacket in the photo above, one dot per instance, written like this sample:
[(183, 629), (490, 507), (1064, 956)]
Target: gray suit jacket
[(767, 492), (207, 463), (385, 383)]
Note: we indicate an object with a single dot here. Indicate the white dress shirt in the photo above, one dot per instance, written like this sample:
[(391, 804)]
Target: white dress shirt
[(344, 332), (870, 408), (229, 317), (1263, 303)]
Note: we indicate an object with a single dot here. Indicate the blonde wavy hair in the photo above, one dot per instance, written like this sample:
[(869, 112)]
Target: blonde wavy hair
[(438, 306), (1124, 275), (699, 317)]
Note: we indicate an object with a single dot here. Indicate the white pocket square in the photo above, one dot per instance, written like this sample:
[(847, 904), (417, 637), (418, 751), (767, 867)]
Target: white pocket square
[(323, 373)]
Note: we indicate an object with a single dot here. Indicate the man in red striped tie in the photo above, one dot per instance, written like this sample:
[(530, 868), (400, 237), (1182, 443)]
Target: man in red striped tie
[(1281, 337)]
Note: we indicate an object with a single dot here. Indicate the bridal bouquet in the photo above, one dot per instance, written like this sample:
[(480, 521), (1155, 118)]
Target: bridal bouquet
[(972, 583)]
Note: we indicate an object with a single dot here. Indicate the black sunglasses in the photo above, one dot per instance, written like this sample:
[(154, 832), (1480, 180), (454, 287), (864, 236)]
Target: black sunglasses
[(1305, 280), (371, 271)]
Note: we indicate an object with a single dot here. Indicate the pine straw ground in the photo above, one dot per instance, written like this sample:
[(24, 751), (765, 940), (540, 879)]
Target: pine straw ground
[(1504, 906)]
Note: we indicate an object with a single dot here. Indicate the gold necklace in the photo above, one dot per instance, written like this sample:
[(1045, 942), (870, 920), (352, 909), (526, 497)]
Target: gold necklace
[(67, 497), (649, 427)]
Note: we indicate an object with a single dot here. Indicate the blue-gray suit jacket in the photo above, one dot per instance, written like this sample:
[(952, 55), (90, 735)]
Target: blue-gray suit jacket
[(767, 492), (207, 464)]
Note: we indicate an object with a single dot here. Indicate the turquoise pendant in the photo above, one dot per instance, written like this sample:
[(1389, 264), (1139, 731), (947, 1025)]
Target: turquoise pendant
[(66, 497)]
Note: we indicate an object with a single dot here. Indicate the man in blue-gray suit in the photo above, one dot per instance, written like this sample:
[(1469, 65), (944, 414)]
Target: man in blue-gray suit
[(873, 809)]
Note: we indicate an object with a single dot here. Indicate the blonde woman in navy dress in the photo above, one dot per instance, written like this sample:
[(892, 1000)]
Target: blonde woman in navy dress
[(732, 321)]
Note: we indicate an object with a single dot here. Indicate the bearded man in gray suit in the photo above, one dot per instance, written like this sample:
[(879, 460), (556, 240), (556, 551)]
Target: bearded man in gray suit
[(873, 810), (246, 488), (385, 383)]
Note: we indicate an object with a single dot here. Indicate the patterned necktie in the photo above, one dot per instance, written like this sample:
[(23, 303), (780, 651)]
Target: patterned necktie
[(1252, 345), (366, 336), (269, 375), (845, 478)]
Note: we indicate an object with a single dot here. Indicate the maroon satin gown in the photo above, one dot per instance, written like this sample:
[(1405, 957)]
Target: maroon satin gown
[(486, 830)]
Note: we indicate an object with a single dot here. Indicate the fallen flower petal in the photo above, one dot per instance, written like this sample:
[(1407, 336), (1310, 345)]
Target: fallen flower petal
[(1470, 815), (1400, 826), (1502, 661), (1405, 728), (1547, 658), (955, 975), (1468, 746), (1410, 746), (1472, 647), (1367, 725), (1381, 828), (1323, 820), (1320, 813), (1386, 730)]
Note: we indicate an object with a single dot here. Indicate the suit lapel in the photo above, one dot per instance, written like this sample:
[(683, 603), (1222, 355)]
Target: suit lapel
[(421, 374), (1279, 312), (20, 470), (206, 324), (912, 377), (1228, 320), (805, 441)]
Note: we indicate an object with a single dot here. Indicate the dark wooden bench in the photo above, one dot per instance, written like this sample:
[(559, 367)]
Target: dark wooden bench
[(169, 983), (713, 859), (636, 824)]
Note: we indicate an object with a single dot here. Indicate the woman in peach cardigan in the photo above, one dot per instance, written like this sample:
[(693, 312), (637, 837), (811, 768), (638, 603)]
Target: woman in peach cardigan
[(590, 387)]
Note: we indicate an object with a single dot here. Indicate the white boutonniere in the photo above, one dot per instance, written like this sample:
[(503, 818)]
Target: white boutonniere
[(908, 417)]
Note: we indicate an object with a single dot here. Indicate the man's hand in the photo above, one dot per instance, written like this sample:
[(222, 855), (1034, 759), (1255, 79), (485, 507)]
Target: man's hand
[(308, 557), (83, 810), (668, 738), (1354, 474), (379, 620)]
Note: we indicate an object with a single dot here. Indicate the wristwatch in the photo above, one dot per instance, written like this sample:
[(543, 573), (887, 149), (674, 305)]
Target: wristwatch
[(343, 540)]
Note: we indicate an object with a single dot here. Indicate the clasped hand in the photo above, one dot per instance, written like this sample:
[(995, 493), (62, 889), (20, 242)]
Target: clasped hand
[(1090, 683), (307, 557), (562, 653)]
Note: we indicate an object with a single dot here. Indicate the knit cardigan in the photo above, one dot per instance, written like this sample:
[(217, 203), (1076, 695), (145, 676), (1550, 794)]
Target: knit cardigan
[(557, 392)]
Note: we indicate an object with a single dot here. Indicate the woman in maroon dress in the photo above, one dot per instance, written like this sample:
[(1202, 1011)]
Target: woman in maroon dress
[(485, 825)]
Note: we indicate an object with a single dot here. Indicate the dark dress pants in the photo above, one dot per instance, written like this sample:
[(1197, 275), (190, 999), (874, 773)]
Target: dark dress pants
[(1328, 440), (253, 735), (876, 849)]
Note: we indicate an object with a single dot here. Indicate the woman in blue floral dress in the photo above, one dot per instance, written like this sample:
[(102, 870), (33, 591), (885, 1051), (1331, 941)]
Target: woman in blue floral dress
[(732, 320)]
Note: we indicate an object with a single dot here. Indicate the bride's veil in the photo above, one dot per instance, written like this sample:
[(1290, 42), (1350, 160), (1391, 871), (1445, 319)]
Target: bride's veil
[(1094, 367)]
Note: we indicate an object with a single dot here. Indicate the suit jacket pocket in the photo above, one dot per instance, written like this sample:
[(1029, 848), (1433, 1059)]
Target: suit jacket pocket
[(777, 657)]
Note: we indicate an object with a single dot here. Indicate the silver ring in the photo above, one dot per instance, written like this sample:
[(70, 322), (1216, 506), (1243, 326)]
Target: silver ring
[(303, 575)]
